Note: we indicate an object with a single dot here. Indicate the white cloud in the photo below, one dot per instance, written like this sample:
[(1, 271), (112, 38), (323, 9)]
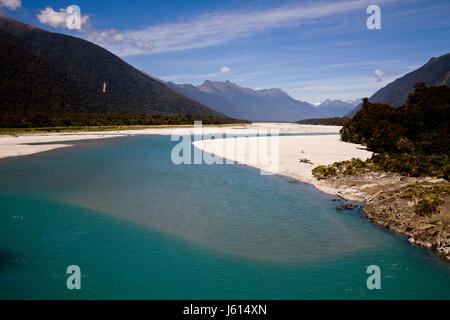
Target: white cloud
[(57, 19), (209, 29), (11, 4), (221, 27), (379, 75), (383, 76), (108, 35), (225, 70), (111, 38)]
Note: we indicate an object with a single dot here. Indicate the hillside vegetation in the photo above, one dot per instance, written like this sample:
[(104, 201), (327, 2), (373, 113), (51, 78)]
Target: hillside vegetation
[(324, 121), (27, 120), (412, 139), (41, 71)]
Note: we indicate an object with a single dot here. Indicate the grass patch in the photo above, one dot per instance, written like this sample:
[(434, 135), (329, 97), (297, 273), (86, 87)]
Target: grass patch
[(342, 168), (16, 131), (427, 198), (426, 208)]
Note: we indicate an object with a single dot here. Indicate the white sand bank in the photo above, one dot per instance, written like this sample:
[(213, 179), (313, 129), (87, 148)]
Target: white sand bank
[(16, 146), (320, 150), (22, 145)]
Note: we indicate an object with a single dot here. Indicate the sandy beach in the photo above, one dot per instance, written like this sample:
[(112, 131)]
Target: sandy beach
[(26, 144), (319, 150)]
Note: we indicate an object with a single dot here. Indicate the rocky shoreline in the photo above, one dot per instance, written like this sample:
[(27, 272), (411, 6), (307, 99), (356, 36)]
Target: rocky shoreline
[(339, 168), (418, 208)]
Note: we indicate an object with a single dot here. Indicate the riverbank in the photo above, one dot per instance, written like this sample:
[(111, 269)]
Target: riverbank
[(418, 208), (181, 231), (298, 155), (15, 145), (392, 201)]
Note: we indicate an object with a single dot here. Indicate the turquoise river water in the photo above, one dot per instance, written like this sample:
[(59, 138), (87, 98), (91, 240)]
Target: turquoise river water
[(140, 227)]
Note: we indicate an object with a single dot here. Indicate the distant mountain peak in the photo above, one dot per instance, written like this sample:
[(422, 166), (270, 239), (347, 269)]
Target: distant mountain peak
[(258, 105), (335, 108), (273, 91), (206, 83), (435, 72)]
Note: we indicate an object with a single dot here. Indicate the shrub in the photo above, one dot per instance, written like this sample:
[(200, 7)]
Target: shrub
[(322, 172), (412, 139), (427, 207)]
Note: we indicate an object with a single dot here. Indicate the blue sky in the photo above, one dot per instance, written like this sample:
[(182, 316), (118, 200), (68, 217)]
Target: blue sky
[(314, 50)]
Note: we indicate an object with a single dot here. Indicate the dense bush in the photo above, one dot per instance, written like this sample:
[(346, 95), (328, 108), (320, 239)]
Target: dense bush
[(406, 164), (426, 208), (322, 172), (345, 168), (413, 164), (324, 121), (412, 139), (57, 119)]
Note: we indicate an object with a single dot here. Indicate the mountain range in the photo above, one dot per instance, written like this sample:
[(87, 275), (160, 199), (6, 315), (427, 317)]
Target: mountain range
[(435, 72), (42, 71), (245, 103), (337, 108), (259, 105)]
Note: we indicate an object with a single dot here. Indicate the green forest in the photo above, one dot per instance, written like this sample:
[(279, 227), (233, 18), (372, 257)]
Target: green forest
[(42, 71), (412, 139), (57, 119), (324, 121)]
